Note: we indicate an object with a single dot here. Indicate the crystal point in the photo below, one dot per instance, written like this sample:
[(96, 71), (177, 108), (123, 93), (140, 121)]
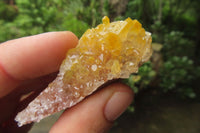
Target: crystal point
[(109, 51)]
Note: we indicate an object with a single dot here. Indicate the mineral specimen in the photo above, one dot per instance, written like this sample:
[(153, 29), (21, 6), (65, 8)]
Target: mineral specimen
[(109, 51)]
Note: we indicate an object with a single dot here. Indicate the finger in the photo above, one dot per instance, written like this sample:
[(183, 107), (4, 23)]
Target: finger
[(96, 113), (31, 57), (34, 56)]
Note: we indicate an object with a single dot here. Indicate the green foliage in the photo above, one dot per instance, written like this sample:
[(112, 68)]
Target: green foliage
[(178, 74), (159, 31), (85, 10), (144, 10), (175, 44), (141, 80), (37, 14), (178, 71), (71, 23), (165, 20), (7, 12), (34, 17)]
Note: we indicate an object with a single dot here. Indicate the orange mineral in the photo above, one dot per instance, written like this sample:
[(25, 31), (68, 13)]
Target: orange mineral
[(109, 51)]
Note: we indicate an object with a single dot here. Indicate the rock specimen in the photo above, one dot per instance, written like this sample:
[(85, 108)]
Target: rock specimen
[(109, 51)]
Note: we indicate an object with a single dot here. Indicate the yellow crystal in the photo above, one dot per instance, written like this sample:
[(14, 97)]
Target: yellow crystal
[(109, 51)]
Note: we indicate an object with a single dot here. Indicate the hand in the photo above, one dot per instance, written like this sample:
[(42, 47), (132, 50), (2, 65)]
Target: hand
[(28, 64)]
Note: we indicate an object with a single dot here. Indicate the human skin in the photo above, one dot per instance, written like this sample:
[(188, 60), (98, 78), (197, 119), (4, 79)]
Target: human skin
[(28, 64)]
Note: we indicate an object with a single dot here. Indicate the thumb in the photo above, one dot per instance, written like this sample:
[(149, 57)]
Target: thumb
[(96, 113)]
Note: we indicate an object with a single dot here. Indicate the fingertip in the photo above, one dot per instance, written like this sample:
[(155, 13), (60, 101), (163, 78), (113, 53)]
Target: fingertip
[(122, 87), (74, 38), (68, 37), (118, 102)]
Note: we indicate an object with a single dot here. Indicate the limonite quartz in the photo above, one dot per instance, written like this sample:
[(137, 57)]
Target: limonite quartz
[(109, 51)]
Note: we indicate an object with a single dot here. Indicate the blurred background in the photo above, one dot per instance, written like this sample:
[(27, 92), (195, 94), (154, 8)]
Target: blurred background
[(167, 92)]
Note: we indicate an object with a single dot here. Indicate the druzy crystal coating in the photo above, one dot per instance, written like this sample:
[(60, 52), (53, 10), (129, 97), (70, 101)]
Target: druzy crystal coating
[(109, 51)]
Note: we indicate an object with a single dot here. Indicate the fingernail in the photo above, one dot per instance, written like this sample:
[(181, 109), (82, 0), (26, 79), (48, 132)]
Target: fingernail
[(117, 104)]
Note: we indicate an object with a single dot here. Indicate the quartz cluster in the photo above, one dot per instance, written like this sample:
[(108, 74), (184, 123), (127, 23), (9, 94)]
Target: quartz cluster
[(109, 51)]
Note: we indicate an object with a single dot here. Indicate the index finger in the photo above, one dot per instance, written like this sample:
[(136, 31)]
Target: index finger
[(32, 57)]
